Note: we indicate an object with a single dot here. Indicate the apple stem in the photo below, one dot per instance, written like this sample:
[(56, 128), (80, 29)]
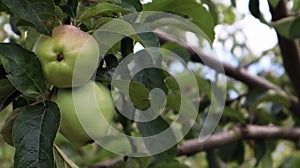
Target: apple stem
[(60, 57)]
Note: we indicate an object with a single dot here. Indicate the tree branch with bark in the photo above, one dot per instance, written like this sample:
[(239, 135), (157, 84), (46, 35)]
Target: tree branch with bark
[(237, 73), (241, 132), (290, 49)]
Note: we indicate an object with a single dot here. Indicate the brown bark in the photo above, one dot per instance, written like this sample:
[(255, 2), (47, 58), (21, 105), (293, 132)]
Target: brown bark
[(290, 50), (245, 132), (237, 73)]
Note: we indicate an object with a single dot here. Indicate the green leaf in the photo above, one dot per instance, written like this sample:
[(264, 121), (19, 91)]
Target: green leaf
[(213, 159), (233, 152), (6, 91), (274, 3), (70, 8), (21, 102), (296, 5), (152, 128), (152, 78), (263, 150), (190, 83), (126, 46), (98, 23), (9, 99), (139, 95), (264, 116), (229, 14), (61, 160), (169, 164), (34, 131), (259, 150), (233, 3), (283, 26), (32, 35), (143, 162), (39, 13), (107, 67), (148, 37), (6, 130), (120, 164), (295, 159), (135, 3), (125, 122), (288, 27), (3, 7), (14, 28), (137, 99), (176, 49), (183, 105), (260, 102), (254, 8), (286, 163), (252, 97), (267, 160), (101, 9), (134, 162), (271, 96), (24, 69), (21, 22), (114, 31), (213, 9), (255, 11), (294, 31), (191, 9), (2, 71), (232, 115)]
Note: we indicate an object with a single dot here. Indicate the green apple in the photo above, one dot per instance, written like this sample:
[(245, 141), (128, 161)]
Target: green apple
[(69, 58), (86, 112)]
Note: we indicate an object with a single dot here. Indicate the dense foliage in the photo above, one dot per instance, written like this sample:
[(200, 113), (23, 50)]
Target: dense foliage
[(188, 88)]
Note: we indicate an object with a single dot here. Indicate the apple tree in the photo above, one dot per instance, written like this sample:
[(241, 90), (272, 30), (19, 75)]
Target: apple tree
[(158, 83)]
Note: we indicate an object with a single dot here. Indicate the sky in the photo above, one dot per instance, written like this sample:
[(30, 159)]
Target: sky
[(259, 37)]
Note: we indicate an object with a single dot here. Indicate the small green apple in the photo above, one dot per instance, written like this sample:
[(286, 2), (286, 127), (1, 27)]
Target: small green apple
[(86, 112), (69, 58)]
